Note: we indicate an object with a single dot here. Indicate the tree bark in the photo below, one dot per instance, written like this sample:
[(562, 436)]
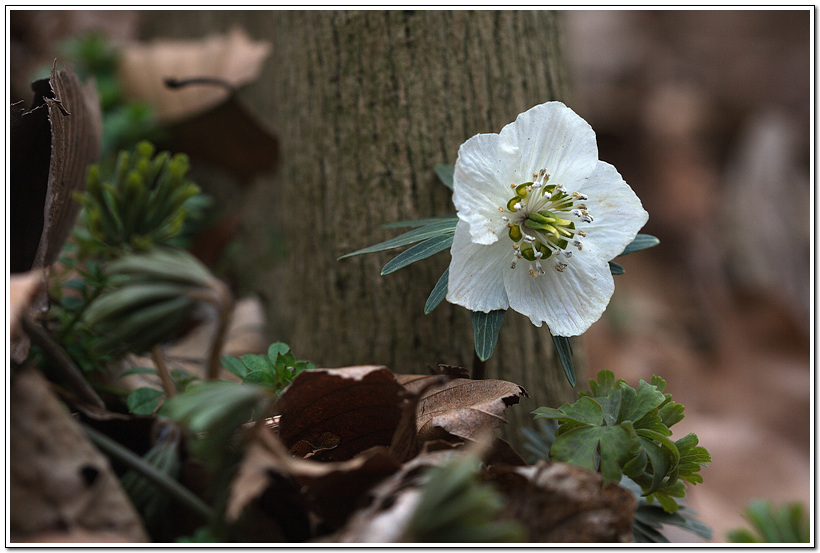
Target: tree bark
[(365, 104)]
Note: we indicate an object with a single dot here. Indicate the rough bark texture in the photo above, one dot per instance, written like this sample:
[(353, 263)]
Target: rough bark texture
[(365, 104)]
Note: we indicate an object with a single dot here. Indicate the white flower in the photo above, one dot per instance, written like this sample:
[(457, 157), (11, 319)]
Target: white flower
[(539, 218)]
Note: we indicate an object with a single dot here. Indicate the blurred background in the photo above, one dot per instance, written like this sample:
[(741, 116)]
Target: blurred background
[(707, 115)]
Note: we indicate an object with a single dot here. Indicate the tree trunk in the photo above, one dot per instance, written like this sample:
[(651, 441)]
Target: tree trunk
[(365, 104)]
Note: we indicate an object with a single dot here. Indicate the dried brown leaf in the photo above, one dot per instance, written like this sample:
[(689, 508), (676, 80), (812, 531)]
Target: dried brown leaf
[(331, 490), (562, 503), (333, 414), (76, 138), (234, 59), (462, 408), (58, 480)]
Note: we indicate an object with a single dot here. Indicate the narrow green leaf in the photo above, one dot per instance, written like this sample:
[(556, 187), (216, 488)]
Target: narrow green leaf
[(445, 174), (616, 269), (641, 242), (485, 331), (439, 292), (415, 223), (564, 347), (444, 226), (429, 247)]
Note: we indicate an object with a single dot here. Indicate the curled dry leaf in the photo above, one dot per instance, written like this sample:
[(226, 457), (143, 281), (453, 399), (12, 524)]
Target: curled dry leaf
[(331, 490), (333, 414), (51, 146), (562, 503), (233, 59), (461, 408), (57, 480)]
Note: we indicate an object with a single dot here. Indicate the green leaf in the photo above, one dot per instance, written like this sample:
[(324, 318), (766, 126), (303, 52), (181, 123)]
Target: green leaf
[(415, 223), (254, 362), (641, 242), (439, 292), (445, 174), (213, 411), (234, 365), (429, 247), (444, 226), (635, 404), (617, 430), (564, 347), (144, 401), (276, 349), (485, 331), (616, 269), (586, 411)]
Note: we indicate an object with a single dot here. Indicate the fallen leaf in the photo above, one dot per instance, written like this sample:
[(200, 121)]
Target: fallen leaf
[(333, 414), (562, 503), (233, 59), (58, 481), (51, 146), (461, 407), (331, 490), (76, 137)]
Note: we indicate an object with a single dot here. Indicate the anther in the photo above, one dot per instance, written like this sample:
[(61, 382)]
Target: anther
[(560, 266), (577, 244), (529, 239)]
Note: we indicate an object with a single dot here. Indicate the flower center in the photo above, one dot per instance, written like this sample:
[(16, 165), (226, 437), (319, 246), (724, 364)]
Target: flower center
[(542, 219)]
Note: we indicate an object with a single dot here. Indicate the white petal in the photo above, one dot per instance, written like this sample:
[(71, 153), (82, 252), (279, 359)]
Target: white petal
[(476, 272), (553, 137), (481, 184), (570, 301), (617, 211)]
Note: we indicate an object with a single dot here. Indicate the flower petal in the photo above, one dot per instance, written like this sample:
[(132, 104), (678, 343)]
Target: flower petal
[(476, 272), (569, 301), (553, 137), (480, 185), (617, 211)]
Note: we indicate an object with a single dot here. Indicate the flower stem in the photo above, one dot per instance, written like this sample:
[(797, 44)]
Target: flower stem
[(224, 304), (478, 368), (163, 372)]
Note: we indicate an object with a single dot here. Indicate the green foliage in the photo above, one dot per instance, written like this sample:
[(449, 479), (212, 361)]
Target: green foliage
[(212, 411), (456, 507), (620, 431), (485, 331), (151, 501), (786, 524), (143, 203), (150, 296), (273, 371), (650, 518)]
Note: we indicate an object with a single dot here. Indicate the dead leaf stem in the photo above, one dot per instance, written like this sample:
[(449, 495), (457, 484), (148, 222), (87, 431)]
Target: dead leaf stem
[(61, 363)]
